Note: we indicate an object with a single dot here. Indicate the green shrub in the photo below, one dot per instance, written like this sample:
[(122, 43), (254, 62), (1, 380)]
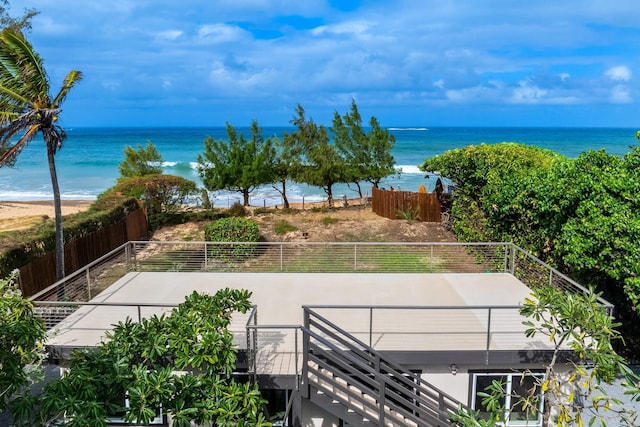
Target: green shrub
[(237, 209), (261, 210), (410, 214), (283, 227), (163, 195), (233, 229), (328, 220)]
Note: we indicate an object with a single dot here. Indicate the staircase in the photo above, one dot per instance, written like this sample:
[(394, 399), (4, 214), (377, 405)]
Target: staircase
[(357, 384)]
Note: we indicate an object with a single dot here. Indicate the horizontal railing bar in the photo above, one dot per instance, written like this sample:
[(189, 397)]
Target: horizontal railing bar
[(81, 270), (105, 303), (413, 307), (349, 244), (275, 326)]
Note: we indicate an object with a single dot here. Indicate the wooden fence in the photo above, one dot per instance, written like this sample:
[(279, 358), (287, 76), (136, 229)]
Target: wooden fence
[(41, 272), (387, 203)]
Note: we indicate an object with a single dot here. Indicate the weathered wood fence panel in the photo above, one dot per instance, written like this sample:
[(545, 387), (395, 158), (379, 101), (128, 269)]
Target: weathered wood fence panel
[(41, 273), (387, 203)]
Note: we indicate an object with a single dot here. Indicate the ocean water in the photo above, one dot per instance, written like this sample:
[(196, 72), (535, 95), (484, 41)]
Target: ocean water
[(88, 162)]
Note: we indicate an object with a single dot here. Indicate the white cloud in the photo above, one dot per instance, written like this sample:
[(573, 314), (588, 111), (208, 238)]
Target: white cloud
[(221, 33), (169, 35), (620, 95), (620, 73), (343, 28)]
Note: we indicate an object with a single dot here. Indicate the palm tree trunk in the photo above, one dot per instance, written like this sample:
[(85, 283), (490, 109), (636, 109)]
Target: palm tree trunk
[(59, 238)]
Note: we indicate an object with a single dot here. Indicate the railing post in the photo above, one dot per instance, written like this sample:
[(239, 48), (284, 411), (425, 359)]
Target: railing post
[(512, 261), (431, 260), (550, 277), (88, 277), (305, 354), (281, 257), (382, 384), (135, 258), (206, 257), (127, 256), (255, 345), (295, 348), (371, 327), (488, 336), (355, 257)]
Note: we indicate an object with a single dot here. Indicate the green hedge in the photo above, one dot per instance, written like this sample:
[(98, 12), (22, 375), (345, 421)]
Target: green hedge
[(233, 229)]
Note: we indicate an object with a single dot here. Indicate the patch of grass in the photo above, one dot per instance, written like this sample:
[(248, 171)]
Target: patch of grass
[(328, 220), (283, 227)]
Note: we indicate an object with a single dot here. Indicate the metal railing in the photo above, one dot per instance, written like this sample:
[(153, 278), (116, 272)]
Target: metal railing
[(430, 328), (365, 381), (306, 257)]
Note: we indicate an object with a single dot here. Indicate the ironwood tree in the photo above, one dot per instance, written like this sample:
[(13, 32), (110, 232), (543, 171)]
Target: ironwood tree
[(367, 155), (237, 164), (315, 161)]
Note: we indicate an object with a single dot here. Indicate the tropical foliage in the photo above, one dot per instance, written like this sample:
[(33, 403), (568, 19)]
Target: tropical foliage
[(21, 348), (179, 363), (571, 386), (580, 215), (27, 108)]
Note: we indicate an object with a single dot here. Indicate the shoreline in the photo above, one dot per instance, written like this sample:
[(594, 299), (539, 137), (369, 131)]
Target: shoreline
[(11, 210)]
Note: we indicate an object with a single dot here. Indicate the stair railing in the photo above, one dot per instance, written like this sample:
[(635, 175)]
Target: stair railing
[(362, 379)]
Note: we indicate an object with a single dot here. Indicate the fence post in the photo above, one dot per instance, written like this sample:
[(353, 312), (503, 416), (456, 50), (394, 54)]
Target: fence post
[(281, 257), (206, 258)]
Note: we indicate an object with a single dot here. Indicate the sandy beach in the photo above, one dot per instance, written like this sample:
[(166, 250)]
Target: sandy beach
[(23, 214)]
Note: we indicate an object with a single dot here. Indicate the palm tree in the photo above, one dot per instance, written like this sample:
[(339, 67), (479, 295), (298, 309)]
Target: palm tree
[(26, 108)]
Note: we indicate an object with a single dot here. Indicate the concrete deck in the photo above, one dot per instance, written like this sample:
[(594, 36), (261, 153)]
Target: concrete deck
[(280, 297)]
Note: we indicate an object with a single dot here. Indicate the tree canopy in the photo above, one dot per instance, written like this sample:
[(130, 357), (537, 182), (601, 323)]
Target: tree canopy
[(237, 164), (367, 155), (579, 215), (180, 363), (142, 161), (315, 161)]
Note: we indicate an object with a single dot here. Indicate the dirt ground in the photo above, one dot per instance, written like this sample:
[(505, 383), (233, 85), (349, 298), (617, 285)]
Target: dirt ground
[(352, 224)]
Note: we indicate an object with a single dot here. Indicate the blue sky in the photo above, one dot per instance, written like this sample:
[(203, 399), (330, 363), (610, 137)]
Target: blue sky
[(407, 62)]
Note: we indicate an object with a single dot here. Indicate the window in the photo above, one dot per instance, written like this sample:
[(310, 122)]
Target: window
[(516, 384), (119, 418)]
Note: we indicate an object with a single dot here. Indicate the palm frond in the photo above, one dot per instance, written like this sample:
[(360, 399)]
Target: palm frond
[(73, 77), (8, 157), (22, 68)]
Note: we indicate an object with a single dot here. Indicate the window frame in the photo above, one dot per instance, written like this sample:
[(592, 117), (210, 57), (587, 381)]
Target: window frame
[(510, 378), (159, 419)]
